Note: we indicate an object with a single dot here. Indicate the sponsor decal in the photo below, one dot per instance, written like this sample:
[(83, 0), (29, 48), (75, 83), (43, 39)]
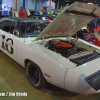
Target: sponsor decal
[(6, 44)]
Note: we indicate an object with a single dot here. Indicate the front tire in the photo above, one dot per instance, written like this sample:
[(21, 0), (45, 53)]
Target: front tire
[(35, 75)]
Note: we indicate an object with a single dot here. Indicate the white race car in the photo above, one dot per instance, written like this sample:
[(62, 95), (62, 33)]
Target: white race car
[(51, 54)]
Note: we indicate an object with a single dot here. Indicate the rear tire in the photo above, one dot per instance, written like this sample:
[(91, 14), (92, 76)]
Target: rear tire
[(35, 75)]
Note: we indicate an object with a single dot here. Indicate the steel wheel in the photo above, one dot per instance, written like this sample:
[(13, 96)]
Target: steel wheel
[(35, 75)]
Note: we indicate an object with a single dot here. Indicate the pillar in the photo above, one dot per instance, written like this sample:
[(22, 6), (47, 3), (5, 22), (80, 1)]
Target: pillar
[(23, 3), (15, 6), (50, 5), (35, 4)]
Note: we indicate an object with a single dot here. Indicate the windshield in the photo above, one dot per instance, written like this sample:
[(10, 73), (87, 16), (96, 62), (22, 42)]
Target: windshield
[(31, 29)]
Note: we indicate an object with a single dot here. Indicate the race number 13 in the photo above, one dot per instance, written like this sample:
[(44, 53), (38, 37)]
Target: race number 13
[(6, 44)]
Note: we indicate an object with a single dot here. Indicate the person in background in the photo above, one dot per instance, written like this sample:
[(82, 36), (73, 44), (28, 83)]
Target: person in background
[(91, 26), (20, 13), (25, 14), (10, 12), (97, 26), (95, 2)]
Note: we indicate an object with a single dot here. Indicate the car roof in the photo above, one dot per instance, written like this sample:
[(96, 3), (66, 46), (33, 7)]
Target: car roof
[(23, 19)]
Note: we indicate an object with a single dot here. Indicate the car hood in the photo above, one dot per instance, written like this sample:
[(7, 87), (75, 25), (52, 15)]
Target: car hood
[(71, 20)]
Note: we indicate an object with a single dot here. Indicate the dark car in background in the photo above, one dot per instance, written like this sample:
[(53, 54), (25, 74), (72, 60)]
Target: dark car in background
[(84, 34), (48, 17), (98, 3)]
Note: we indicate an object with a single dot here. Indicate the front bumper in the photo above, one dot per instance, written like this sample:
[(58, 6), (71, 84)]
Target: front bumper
[(78, 84)]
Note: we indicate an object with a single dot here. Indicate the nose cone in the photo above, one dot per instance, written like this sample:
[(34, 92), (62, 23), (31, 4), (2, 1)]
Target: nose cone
[(77, 84), (84, 78)]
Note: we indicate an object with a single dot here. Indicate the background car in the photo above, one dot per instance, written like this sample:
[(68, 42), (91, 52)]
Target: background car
[(47, 17), (84, 34)]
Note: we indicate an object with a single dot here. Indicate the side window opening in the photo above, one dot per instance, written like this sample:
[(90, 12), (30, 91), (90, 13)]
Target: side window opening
[(22, 27), (2, 25), (31, 29), (7, 26)]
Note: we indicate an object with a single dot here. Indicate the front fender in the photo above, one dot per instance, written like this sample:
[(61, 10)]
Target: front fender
[(47, 64)]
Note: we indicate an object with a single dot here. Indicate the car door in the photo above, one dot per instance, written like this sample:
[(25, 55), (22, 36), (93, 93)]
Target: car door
[(8, 41)]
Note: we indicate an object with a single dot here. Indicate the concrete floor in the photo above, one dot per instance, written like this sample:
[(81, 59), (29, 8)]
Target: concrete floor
[(13, 79)]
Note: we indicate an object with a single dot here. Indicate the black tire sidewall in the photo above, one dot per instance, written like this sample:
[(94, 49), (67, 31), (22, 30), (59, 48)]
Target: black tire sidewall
[(41, 82)]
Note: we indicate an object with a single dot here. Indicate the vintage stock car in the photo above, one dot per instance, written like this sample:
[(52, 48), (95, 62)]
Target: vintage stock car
[(50, 54)]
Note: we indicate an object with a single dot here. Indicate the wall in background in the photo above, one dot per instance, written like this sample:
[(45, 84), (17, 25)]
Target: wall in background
[(46, 4), (31, 4), (20, 3), (0, 4), (7, 4)]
